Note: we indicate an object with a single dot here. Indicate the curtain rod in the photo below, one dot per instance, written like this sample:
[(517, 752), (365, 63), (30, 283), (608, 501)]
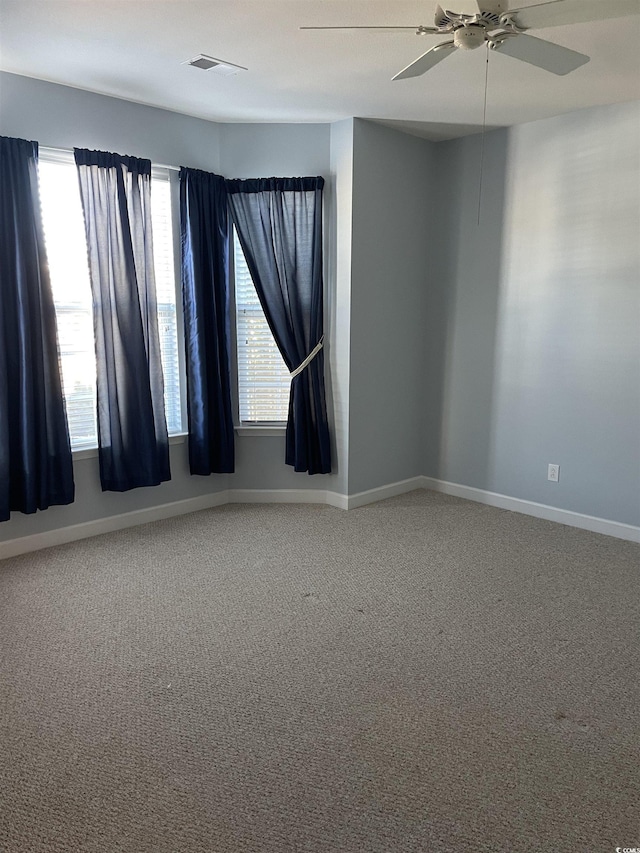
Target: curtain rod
[(69, 151)]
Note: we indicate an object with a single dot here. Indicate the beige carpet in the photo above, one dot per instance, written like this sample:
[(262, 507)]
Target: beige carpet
[(422, 674)]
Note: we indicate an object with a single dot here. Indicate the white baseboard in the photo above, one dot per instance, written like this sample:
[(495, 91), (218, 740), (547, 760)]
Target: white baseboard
[(550, 513), (286, 496), (320, 496), (382, 492), (62, 535)]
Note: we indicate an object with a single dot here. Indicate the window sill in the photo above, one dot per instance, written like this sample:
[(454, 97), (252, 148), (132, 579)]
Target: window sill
[(84, 452), (274, 430), (259, 430), (91, 452)]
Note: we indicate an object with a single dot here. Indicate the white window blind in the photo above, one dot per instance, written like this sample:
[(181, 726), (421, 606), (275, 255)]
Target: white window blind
[(163, 262), (67, 255), (263, 378)]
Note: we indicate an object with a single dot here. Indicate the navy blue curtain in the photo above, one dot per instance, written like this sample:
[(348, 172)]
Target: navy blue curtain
[(204, 225), (132, 429), (36, 469), (279, 224)]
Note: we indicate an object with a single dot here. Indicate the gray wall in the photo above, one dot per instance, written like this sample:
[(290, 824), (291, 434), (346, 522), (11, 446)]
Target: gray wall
[(339, 200), (542, 362), (391, 278), (464, 308), (62, 117), (283, 150)]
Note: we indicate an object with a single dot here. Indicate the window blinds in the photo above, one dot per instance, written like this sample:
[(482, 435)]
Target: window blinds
[(163, 262), (263, 378), (67, 256)]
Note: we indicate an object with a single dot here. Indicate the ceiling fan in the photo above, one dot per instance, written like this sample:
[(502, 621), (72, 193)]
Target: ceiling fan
[(503, 30)]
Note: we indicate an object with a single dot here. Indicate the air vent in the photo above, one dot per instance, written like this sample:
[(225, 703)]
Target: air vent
[(217, 66)]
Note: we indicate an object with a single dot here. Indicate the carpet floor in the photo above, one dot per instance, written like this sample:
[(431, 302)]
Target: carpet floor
[(421, 674)]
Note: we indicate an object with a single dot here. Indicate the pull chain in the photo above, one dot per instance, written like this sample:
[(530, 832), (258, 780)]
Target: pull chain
[(484, 127)]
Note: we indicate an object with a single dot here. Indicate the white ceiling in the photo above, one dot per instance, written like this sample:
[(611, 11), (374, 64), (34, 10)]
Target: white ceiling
[(134, 49)]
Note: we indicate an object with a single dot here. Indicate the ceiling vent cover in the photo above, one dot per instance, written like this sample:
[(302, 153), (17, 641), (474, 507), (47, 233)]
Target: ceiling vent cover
[(217, 66)]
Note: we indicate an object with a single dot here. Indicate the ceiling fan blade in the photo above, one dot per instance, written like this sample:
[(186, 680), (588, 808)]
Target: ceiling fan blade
[(423, 63), (465, 7), (497, 7), (559, 12), (472, 7), (419, 29), (545, 54)]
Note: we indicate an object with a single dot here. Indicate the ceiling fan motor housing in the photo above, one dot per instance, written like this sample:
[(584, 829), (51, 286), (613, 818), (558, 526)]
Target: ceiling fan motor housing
[(469, 37)]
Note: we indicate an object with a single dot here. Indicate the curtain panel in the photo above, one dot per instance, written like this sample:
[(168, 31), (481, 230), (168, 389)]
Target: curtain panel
[(204, 227), (279, 225), (132, 430), (36, 468)]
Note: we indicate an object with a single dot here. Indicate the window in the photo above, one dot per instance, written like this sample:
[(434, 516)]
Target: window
[(68, 266), (67, 255), (166, 294), (263, 378)]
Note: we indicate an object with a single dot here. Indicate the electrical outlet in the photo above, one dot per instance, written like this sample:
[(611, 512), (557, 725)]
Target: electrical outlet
[(553, 473)]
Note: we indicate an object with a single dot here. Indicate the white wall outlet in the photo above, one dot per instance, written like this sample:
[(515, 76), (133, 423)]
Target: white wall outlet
[(553, 473)]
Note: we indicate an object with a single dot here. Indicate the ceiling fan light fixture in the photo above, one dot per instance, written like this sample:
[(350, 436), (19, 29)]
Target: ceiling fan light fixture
[(469, 37)]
